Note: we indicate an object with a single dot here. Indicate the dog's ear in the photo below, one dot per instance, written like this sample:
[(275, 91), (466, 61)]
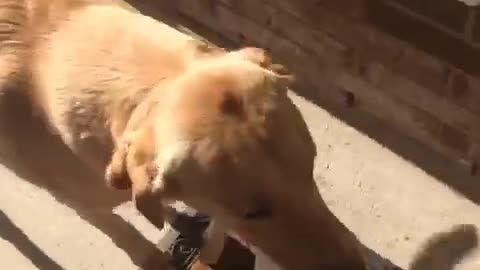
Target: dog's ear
[(281, 74), (280, 71), (201, 48), (277, 72), (256, 55)]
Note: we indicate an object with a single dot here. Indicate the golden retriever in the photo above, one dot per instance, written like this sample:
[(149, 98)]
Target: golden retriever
[(184, 122)]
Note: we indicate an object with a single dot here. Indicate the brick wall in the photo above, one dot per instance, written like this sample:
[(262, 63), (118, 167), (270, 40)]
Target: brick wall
[(413, 65), (448, 29)]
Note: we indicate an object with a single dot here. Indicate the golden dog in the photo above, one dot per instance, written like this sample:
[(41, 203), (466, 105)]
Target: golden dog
[(184, 122)]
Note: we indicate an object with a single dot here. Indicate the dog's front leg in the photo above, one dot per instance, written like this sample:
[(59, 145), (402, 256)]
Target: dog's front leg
[(116, 174), (142, 172), (132, 166), (146, 200)]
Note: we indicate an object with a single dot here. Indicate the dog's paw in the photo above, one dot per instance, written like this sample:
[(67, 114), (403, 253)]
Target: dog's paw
[(115, 180)]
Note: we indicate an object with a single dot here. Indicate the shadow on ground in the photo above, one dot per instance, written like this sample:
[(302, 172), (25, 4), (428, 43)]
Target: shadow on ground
[(445, 170), (11, 233), (35, 155), (449, 172), (442, 251)]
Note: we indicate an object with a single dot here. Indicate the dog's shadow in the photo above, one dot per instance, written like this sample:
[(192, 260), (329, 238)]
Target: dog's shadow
[(445, 250), (442, 251), (29, 150), (15, 236)]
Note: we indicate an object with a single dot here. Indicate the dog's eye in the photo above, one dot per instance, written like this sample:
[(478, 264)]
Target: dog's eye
[(261, 212)]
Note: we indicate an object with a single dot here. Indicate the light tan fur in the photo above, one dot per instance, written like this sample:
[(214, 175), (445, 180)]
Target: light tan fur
[(185, 122)]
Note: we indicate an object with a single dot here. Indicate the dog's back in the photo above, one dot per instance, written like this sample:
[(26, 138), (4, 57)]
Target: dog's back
[(90, 65), (20, 23)]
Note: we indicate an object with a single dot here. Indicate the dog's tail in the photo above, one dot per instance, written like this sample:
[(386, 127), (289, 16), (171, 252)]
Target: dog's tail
[(444, 250), (19, 22), (13, 20), (22, 22)]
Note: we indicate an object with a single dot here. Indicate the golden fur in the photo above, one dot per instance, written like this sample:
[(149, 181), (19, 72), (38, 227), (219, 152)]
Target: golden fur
[(186, 122)]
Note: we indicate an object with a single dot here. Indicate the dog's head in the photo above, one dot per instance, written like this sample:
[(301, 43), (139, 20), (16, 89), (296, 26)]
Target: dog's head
[(229, 142)]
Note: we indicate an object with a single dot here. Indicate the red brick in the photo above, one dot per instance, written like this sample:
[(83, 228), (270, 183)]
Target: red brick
[(449, 13), (476, 27), (305, 47), (371, 72), (430, 39), (454, 139), (459, 85), (424, 70), (355, 9), (471, 97)]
